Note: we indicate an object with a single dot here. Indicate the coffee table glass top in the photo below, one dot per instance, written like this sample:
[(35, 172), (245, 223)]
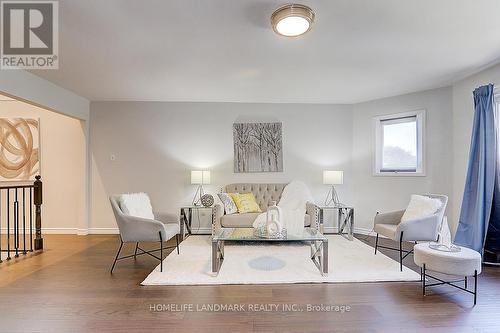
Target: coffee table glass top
[(247, 234)]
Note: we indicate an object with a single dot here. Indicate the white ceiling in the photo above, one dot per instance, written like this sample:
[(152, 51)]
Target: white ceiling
[(225, 50)]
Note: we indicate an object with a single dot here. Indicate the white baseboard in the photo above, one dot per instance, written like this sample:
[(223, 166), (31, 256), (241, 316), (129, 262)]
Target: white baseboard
[(103, 231), (114, 231), (73, 231)]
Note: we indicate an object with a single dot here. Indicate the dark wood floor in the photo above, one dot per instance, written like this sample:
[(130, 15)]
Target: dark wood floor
[(68, 288)]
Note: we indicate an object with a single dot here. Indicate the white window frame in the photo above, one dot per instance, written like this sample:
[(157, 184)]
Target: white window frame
[(378, 143)]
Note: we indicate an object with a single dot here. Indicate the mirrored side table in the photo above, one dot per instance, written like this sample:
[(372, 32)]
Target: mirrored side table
[(345, 219), (200, 214)]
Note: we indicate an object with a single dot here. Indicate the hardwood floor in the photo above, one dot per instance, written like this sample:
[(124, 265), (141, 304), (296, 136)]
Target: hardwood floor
[(68, 288)]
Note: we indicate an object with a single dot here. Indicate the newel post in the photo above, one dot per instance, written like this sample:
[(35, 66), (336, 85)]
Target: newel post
[(37, 193)]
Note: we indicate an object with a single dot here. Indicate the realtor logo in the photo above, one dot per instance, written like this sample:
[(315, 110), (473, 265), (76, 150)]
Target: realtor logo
[(29, 35)]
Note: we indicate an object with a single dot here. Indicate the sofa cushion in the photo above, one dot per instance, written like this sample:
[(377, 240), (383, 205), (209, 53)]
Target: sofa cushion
[(245, 202), (238, 220), (227, 201), (246, 220), (136, 204)]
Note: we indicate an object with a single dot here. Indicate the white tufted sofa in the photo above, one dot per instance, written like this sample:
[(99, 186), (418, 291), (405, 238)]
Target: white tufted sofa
[(265, 195)]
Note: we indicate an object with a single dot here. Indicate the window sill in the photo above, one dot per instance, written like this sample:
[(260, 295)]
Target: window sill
[(399, 174)]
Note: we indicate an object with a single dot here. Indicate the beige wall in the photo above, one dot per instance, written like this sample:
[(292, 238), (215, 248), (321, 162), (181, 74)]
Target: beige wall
[(62, 166), (386, 193), (156, 144)]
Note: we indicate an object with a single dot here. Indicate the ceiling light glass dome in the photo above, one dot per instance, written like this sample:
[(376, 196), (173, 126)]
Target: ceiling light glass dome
[(292, 20)]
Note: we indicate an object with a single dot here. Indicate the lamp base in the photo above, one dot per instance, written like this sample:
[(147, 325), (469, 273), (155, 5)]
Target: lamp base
[(197, 196), (332, 198)]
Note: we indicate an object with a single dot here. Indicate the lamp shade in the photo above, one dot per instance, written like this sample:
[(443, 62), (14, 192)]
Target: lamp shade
[(333, 177), (199, 177)]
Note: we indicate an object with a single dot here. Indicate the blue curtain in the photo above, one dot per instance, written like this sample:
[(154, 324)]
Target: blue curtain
[(480, 183)]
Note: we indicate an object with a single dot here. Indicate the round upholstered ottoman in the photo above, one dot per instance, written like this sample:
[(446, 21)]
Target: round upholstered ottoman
[(464, 263)]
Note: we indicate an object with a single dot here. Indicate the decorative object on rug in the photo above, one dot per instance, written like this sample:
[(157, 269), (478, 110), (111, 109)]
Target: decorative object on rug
[(207, 200), (423, 229), (466, 262), (332, 178), (348, 262), (258, 147), (229, 205), (19, 149), (200, 178)]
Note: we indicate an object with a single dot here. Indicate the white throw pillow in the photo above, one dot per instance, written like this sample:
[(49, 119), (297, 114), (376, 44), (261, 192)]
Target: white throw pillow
[(229, 205), (136, 204), (420, 207)]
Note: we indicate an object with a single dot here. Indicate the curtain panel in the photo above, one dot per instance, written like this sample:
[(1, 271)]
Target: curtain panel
[(481, 173)]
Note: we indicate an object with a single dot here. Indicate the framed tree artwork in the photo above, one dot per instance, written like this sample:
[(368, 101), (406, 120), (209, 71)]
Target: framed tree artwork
[(258, 147)]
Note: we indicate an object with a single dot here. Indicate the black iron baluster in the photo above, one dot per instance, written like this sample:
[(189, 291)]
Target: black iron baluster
[(16, 223), (31, 219), (8, 224), (24, 220)]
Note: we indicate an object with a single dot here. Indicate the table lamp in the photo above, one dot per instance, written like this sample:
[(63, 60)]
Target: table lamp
[(200, 178), (332, 178)]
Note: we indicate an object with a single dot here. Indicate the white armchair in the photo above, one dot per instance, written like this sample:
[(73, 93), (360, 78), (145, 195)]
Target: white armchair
[(137, 229), (417, 230)]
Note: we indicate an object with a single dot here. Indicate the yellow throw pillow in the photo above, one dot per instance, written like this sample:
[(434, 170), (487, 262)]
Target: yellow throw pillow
[(245, 202)]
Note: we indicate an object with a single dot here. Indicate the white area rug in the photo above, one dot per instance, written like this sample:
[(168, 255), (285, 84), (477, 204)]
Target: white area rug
[(264, 263)]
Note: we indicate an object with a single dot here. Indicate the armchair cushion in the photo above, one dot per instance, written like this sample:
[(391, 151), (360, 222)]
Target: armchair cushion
[(137, 205), (420, 207), (387, 230)]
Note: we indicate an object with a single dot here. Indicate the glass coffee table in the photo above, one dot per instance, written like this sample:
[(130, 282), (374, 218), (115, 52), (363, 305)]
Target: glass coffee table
[(317, 241)]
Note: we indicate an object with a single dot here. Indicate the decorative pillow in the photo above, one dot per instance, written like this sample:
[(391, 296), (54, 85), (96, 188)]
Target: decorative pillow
[(245, 202), (136, 204), (420, 206), (227, 201)]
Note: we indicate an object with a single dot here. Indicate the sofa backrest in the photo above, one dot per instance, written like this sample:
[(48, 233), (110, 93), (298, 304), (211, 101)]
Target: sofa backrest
[(265, 194)]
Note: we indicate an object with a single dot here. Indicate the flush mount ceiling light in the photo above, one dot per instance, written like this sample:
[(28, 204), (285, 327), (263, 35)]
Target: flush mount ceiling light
[(292, 20)]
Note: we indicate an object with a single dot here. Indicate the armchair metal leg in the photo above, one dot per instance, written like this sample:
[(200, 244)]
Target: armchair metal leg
[(475, 286), (401, 252), (376, 243), (161, 252), (177, 241), (135, 252), (117, 254), (423, 280)]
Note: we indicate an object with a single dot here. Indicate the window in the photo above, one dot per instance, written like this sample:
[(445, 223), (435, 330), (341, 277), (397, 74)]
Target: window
[(399, 143)]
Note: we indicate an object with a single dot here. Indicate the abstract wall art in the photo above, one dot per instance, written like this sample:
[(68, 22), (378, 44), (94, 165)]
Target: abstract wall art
[(19, 149), (258, 147)]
